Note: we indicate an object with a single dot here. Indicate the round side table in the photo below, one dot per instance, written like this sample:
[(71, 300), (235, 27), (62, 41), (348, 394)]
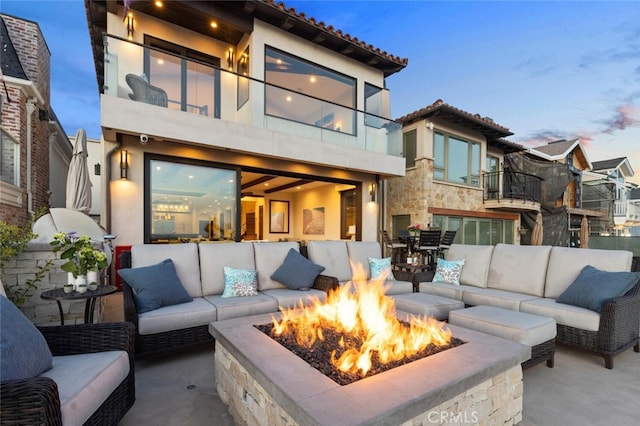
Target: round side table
[(90, 297)]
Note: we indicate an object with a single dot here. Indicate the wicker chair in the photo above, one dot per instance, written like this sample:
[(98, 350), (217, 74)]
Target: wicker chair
[(145, 92), (36, 401)]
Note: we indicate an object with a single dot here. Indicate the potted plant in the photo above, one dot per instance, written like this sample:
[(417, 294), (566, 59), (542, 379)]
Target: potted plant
[(80, 255), (82, 288), (68, 288)]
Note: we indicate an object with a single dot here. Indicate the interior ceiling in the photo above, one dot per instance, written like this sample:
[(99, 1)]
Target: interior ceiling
[(261, 184)]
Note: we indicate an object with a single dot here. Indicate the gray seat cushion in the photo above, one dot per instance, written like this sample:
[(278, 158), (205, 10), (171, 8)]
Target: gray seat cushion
[(236, 307), (492, 297), (572, 316), (288, 298), (176, 317), (427, 304)]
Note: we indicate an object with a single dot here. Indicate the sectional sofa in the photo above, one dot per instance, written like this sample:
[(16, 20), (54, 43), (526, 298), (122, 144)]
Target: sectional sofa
[(200, 270), (531, 279)]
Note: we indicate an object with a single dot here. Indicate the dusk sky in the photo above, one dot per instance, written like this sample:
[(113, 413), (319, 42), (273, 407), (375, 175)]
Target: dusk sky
[(545, 70)]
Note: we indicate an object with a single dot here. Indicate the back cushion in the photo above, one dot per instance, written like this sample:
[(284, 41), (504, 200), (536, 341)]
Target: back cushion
[(359, 254), (566, 263), (215, 256), (476, 262), (269, 257), (333, 256), (184, 257), (520, 269)]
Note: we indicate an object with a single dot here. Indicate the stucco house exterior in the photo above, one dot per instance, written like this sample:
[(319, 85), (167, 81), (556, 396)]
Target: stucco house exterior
[(454, 177), (239, 120), (35, 151)]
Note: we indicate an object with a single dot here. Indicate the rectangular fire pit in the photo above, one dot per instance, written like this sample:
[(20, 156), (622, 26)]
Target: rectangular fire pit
[(264, 384)]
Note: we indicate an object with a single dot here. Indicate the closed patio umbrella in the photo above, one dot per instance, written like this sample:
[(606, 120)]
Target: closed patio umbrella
[(536, 234), (78, 181), (584, 232)]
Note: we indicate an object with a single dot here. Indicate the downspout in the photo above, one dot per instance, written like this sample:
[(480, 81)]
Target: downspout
[(108, 188), (31, 107)]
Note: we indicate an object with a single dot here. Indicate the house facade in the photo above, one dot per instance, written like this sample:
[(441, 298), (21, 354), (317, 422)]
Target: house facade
[(239, 120), (35, 151), (455, 178)]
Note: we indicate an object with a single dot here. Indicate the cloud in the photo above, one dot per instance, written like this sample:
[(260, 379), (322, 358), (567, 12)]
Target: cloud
[(627, 115)]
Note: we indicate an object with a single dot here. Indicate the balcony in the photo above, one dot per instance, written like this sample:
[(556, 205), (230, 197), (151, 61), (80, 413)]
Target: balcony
[(508, 190), (188, 86), (626, 213)]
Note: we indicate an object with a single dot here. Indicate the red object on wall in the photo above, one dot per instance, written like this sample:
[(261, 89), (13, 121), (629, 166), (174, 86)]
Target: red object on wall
[(118, 252)]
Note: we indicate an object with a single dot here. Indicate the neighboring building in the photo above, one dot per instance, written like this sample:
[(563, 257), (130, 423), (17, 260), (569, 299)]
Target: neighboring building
[(454, 177), (611, 192), (35, 150), (228, 120)]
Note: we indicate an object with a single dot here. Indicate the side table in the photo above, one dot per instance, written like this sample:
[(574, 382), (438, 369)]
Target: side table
[(414, 269), (90, 297)]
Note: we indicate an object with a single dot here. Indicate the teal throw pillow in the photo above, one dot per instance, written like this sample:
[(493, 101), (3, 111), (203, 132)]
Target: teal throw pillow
[(448, 271), (593, 287), (23, 350), (297, 272), (380, 267), (239, 282), (155, 286)]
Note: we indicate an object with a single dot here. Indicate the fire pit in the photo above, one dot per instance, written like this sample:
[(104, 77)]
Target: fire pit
[(263, 383)]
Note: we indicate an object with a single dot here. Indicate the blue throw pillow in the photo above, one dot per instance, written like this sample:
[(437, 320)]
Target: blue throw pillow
[(593, 287), (377, 267), (155, 286), (297, 272), (448, 271), (23, 350), (239, 282)]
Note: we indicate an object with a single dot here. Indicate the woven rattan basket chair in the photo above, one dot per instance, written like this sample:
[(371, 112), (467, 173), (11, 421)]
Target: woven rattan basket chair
[(145, 92)]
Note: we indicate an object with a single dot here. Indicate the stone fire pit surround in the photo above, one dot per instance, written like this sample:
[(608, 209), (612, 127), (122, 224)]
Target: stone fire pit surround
[(264, 383)]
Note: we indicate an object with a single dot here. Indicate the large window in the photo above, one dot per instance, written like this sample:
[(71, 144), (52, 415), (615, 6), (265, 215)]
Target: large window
[(456, 160), (190, 78), (373, 106), (479, 231), (189, 201), (9, 159), (410, 147), (302, 91)]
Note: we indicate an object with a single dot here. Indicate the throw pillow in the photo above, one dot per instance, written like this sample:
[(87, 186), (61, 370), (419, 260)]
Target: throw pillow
[(593, 287), (297, 272), (378, 267), (448, 271), (155, 286), (239, 282), (23, 350)]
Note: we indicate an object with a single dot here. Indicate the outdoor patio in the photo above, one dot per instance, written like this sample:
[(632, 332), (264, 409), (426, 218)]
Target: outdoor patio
[(180, 390)]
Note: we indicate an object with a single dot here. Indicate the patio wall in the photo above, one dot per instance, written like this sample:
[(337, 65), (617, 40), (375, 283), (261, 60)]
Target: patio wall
[(44, 312)]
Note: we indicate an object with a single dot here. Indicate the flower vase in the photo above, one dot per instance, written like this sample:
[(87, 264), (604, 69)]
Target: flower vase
[(92, 278), (80, 280), (71, 279)]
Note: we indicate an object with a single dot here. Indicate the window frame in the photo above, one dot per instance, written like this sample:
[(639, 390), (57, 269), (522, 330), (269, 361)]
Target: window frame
[(473, 180), (410, 148), (15, 166)]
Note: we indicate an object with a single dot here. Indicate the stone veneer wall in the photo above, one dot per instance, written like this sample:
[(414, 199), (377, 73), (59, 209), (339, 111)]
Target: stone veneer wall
[(44, 312), (497, 401)]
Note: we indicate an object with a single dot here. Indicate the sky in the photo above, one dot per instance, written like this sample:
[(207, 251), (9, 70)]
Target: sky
[(546, 70)]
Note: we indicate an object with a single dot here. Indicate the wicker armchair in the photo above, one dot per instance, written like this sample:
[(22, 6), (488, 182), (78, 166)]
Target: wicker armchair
[(175, 341), (145, 92), (36, 401)]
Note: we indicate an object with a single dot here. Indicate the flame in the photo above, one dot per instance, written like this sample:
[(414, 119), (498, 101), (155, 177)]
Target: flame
[(361, 308)]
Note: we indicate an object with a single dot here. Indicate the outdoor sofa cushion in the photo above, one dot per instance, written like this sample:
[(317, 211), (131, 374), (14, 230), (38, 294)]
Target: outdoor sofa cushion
[(23, 350), (593, 287), (476, 262), (448, 271), (333, 256), (240, 282), (214, 256), (521, 269), (378, 267), (155, 286), (297, 272)]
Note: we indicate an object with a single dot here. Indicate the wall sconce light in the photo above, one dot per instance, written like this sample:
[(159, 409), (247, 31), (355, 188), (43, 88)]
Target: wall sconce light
[(372, 192), (243, 66), (230, 59), (124, 165), (96, 169), (130, 25)]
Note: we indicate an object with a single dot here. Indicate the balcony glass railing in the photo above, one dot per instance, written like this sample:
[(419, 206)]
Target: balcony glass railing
[(512, 186), (627, 209), (145, 74)]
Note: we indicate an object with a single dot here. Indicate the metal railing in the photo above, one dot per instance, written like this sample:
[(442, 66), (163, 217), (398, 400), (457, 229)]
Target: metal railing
[(627, 209), (511, 186), (196, 87)]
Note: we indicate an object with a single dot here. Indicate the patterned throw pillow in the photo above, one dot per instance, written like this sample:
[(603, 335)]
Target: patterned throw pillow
[(239, 282), (448, 271), (379, 267)]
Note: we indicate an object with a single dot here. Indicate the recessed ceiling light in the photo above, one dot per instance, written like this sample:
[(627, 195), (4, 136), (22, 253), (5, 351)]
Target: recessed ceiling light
[(158, 3), (312, 79), (288, 98), (214, 24)]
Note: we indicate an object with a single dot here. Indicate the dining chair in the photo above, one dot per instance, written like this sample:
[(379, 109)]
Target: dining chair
[(395, 248), (445, 243), (428, 245)]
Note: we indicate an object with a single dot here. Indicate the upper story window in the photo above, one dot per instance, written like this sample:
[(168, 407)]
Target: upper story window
[(410, 148), (10, 159), (456, 160), (305, 92)]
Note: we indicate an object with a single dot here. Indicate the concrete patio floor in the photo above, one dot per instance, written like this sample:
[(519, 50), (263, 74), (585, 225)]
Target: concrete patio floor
[(180, 390)]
